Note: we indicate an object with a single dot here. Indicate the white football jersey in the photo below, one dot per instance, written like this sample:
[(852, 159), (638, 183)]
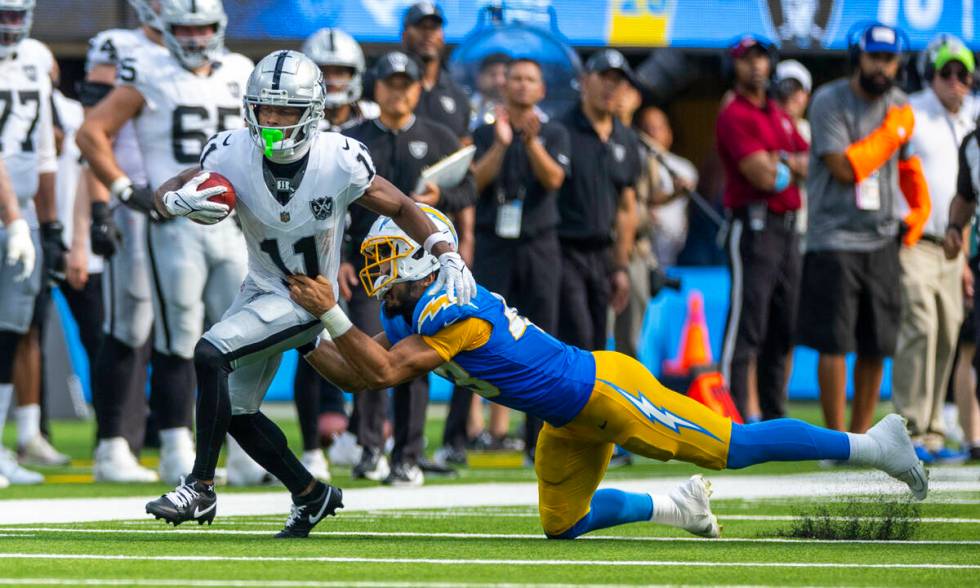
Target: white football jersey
[(182, 110), (117, 47), (26, 131), (303, 236)]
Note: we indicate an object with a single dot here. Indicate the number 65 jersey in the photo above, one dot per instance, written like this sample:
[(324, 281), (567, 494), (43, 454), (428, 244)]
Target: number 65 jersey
[(182, 110), (302, 235)]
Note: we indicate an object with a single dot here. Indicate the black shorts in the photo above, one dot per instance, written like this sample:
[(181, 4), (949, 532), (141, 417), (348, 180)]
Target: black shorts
[(851, 301)]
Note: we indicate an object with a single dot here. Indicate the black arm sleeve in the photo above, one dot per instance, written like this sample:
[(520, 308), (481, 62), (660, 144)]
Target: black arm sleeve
[(91, 93), (964, 179)]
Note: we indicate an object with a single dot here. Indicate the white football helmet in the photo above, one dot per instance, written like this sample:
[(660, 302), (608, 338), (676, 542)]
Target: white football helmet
[(391, 256), (12, 34), (146, 12), (335, 47), (193, 52), (285, 78)]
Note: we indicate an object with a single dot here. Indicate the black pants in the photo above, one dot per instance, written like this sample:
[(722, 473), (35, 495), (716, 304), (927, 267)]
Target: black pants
[(765, 267), (527, 273), (87, 308), (314, 395), (370, 408), (585, 291)]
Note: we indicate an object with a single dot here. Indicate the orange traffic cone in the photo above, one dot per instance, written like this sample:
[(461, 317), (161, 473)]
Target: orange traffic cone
[(695, 348)]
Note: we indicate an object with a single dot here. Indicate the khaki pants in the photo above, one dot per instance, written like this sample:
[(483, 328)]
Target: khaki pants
[(932, 312)]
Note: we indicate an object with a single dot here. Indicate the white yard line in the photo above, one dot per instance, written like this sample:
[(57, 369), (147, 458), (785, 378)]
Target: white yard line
[(30, 531), (272, 583), (483, 562), (823, 484)]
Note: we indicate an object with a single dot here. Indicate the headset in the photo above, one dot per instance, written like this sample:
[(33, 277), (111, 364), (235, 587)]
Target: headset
[(728, 63)]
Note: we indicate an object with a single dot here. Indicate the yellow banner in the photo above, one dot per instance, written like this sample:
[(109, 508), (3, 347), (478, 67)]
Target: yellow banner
[(640, 22)]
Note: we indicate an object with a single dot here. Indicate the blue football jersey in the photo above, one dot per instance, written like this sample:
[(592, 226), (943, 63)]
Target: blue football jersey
[(519, 366)]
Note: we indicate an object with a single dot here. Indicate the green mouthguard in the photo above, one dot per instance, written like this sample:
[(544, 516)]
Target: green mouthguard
[(270, 136)]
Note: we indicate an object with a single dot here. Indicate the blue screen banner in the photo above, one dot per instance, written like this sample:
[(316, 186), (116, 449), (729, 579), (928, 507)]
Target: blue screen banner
[(794, 24)]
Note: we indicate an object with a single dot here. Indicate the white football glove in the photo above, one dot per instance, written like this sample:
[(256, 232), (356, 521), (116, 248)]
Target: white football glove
[(194, 203), (20, 248), (456, 277)]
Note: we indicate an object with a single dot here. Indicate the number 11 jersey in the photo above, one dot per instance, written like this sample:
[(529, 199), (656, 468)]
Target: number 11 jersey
[(304, 234), (182, 110)]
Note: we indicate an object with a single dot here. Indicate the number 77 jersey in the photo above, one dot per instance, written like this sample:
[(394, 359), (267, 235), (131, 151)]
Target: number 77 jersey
[(301, 235)]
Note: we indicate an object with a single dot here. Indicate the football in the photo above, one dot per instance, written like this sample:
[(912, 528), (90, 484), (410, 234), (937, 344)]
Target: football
[(227, 197)]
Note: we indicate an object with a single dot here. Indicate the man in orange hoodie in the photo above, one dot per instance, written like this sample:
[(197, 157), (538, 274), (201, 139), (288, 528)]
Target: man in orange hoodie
[(861, 164)]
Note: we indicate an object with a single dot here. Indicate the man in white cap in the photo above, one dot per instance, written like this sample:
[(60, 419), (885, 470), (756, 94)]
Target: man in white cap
[(793, 87)]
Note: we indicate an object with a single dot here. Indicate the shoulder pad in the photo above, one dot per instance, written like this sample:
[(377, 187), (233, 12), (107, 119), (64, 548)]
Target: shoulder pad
[(435, 311)]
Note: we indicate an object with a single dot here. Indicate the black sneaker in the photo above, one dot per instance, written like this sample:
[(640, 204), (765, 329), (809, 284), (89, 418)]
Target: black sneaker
[(405, 475), (189, 501), (305, 515), (373, 466)]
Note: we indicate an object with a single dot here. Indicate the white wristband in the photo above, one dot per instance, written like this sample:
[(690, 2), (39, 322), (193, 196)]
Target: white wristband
[(434, 238), (335, 321), (119, 185)]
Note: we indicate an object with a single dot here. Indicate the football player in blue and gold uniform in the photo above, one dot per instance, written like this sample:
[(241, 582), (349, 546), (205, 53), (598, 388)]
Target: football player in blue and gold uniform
[(590, 402)]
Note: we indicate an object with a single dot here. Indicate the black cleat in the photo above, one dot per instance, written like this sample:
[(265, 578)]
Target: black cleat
[(189, 501), (303, 517)]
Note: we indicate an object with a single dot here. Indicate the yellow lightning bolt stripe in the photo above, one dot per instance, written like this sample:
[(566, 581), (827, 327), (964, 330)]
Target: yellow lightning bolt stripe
[(433, 307), (428, 209)]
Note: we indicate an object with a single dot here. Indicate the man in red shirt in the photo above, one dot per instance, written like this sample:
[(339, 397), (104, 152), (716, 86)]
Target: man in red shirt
[(764, 160)]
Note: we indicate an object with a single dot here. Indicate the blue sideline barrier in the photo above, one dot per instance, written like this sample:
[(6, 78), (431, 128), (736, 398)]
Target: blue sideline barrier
[(661, 333)]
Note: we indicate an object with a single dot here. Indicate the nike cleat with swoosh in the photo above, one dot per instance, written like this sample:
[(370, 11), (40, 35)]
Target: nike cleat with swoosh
[(305, 515), (189, 501)]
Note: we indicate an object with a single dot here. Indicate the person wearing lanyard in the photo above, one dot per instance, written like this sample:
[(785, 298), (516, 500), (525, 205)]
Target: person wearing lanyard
[(763, 156), (401, 145), (597, 204), (932, 299), (521, 163), (859, 161)]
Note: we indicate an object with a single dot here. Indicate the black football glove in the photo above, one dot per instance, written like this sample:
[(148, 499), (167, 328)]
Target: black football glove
[(53, 249), (103, 233)]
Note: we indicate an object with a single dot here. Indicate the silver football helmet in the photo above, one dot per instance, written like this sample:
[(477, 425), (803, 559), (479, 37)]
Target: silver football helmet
[(15, 32), (335, 47), (193, 52), (146, 13), (291, 79)]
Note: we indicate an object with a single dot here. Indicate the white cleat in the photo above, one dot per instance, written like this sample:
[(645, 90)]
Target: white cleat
[(693, 501), (344, 451), (316, 464), (14, 473), (114, 462), (897, 457), (176, 455), (242, 470), (38, 452), (3, 482)]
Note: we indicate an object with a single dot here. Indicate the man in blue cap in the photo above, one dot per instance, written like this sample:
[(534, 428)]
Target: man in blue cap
[(860, 163)]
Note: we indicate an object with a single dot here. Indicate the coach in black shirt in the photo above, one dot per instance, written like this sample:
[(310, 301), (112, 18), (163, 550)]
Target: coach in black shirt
[(520, 165), (423, 38), (401, 145), (597, 205)]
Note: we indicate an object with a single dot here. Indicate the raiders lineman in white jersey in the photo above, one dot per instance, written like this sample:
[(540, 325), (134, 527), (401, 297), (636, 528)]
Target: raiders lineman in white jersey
[(293, 187), (341, 60), (176, 101), (28, 152), (119, 376)]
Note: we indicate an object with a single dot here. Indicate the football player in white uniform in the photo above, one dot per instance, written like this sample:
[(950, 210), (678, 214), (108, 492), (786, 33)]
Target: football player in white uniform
[(176, 101), (28, 151), (293, 187), (119, 375), (341, 60)]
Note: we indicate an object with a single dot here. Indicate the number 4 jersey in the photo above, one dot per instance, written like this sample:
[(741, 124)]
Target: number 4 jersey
[(492, 350), (182, 110), (301, 235)]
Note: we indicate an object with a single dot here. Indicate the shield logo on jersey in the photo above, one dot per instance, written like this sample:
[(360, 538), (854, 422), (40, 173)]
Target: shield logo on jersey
[(234, 89), (448, 104), (31, 72), (418, 149), (284, 216), (322, 207), (619, 151)]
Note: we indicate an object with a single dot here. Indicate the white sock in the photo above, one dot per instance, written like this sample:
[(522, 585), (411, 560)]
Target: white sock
[(171, 438), (665, 511), (864, 449), (6, 394), (28, 419)]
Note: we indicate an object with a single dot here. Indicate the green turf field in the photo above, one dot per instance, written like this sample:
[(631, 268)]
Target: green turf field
[(502, 545)]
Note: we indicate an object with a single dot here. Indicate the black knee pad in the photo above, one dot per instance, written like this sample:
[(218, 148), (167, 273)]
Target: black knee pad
[(8, 350), (208, 356)]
